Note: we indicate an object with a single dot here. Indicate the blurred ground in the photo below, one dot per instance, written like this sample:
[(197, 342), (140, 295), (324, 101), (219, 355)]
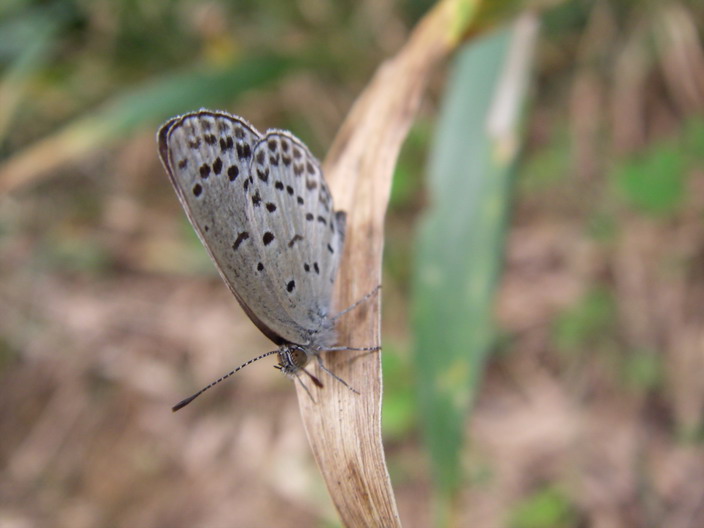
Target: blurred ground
[(590, 413)]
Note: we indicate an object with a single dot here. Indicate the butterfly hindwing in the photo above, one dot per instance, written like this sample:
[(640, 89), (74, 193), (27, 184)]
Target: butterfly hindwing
[(291, 208)]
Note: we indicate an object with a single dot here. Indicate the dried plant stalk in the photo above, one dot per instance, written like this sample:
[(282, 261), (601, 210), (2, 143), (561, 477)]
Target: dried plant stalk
[(344, 428)]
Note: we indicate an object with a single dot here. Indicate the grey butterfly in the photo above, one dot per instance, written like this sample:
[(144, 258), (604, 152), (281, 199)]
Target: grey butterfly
[(263, 211)]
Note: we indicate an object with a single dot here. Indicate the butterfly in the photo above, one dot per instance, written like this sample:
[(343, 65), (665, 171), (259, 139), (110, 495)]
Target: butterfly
[(261, 207)]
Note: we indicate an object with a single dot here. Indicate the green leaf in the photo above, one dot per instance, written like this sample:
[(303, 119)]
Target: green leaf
[(458, 258)]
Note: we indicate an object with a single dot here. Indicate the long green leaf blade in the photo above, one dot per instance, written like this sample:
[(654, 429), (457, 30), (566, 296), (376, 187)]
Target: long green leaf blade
[(460, 250)]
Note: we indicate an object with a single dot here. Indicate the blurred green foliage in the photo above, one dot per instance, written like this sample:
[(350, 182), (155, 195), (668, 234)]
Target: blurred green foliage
[(547, 166), (399, 408), (546, 508), (408, 176), (128, 64), (643, 370), (653, 182), (588, 324)]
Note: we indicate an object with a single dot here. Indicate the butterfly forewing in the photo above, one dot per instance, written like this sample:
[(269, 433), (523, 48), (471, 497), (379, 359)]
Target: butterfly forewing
[(207, 156)]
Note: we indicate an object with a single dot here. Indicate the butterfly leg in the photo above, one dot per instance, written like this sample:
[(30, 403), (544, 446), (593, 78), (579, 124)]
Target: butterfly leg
[(355, 349), (362, 300), (338, 378), (298, 378)]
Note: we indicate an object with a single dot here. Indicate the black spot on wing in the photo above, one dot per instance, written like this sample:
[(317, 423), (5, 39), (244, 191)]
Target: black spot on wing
[(227, 144), (295, 239), (244, 151), (244, 235), (232, 172)]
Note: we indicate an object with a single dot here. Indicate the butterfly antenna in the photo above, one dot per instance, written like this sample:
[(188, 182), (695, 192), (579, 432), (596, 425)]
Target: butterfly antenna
[(183, 403)]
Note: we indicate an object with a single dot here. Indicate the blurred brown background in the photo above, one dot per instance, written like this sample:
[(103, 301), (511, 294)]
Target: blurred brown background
[(590, 411)]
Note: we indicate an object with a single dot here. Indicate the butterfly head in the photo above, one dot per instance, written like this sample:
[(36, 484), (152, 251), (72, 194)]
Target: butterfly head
[(292, 358)]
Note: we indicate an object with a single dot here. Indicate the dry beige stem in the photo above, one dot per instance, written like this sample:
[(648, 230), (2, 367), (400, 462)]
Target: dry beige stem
[(344, 428)]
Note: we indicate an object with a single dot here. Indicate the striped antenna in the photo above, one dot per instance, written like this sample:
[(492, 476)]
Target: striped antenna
[(183, 403)]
